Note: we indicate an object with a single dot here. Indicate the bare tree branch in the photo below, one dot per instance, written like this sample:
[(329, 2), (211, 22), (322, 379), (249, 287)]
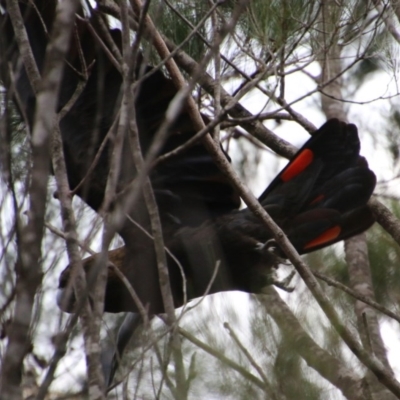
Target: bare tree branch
[(328, 366), (28, 264)]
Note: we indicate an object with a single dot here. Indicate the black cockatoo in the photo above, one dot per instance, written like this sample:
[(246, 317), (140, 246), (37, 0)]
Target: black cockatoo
[(318, 199)]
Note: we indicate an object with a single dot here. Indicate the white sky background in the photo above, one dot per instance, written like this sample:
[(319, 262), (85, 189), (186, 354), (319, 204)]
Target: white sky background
[(369, 117)]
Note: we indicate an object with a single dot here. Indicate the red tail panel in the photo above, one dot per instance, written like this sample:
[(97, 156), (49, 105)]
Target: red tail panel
[(297, 165)]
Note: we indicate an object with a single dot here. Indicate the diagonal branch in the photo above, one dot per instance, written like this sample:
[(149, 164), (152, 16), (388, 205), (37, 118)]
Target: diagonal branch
[(328, 366)]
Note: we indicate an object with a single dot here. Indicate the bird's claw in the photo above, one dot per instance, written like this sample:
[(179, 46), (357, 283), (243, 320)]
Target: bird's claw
[(270, 245), (284, 284), (273, 249)]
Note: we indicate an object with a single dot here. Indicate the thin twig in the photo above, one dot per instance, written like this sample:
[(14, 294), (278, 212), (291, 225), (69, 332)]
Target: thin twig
[(215, 353), (356, 295), (268, 387)]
